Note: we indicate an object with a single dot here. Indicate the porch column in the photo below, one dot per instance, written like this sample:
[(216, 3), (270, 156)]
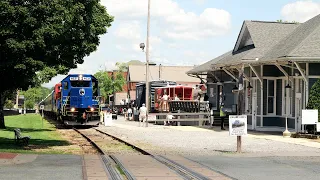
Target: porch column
[(306, 80), (261, 105), (259, 76)]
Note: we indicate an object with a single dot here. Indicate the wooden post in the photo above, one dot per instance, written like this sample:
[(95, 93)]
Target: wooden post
[(238, 144), (240, 104), (179, 123), (42, 117)]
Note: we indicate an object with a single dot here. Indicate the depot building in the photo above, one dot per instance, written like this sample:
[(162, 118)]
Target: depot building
[(281, 62)]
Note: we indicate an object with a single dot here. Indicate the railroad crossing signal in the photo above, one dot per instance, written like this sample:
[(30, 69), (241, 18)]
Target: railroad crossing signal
[(42, 107)]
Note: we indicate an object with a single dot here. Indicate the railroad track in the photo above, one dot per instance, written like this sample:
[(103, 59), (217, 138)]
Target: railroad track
[(112, 164), (183, 171)]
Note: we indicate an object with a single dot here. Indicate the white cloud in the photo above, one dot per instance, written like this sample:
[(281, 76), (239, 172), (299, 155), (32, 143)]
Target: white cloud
[(120, 47), (173, 45), (178, 23), (129, 30), (155, 40), (300, 11), (200, 2)]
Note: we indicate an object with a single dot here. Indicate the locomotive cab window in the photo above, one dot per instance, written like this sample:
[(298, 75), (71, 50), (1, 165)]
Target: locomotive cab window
[(80, 83), (95, 88), (65, 85)]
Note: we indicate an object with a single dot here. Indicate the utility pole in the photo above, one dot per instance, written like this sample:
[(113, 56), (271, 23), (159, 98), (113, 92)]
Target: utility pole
[(147, 65), (113, 93)]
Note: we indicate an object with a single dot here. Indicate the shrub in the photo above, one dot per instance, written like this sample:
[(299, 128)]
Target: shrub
[(314, 97)]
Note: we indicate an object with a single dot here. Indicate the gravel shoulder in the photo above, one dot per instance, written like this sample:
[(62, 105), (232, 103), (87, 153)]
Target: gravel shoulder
[(198, 141)]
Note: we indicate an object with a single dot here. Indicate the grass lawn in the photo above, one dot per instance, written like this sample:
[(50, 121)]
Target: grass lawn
[(43, 139)]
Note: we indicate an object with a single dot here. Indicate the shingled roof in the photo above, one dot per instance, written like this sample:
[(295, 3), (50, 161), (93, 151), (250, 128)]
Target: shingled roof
[(137, 73), (304, 41), (269, 41)]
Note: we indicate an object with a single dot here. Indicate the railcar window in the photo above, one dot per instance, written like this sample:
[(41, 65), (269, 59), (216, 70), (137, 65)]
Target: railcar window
[(80, 83)]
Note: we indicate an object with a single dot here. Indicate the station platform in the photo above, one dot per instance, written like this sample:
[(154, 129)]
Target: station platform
[(40, 167)]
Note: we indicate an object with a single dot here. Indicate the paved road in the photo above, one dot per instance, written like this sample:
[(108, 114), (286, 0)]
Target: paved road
[(45, 167), (263, 168)]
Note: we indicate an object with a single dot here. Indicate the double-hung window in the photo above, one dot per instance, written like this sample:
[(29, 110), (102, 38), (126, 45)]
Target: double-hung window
[(271, 97)]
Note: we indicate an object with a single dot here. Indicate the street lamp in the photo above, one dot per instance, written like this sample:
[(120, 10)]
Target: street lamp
[(287, 133), (142, 46)]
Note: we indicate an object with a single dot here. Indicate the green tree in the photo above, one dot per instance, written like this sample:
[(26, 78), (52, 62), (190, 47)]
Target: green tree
[(111, 82), (39, 35), (34, 95), (29, 104), (8, 104), (314, 98)]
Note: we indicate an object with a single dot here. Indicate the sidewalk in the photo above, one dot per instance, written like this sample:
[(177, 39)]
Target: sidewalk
[(40, 167), (122, 123)]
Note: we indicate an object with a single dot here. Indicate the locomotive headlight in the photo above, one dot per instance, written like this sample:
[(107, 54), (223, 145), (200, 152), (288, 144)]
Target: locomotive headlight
[(91, 109), (73, 109)]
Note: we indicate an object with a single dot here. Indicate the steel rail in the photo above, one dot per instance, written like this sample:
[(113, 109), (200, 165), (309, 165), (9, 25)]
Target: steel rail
[(109, 161), (178, 168)]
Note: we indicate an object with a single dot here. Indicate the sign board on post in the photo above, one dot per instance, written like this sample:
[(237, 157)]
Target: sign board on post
[(318, 127), (107, 119), (309, 116), (42, 107), (238, 125)]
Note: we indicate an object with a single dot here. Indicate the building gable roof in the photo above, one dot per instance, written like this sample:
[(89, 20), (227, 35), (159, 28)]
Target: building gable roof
[(168, 73), (244, 38), (263, 34), (304, 41)]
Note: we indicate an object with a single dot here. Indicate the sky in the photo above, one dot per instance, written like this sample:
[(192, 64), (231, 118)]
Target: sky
[(182, 32)]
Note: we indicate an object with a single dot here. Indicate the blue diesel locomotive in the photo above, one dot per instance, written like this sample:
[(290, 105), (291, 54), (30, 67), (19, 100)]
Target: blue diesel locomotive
[(74, 101)]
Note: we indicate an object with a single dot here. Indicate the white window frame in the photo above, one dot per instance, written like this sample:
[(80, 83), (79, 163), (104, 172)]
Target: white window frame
[(286, 108), (274, 96)]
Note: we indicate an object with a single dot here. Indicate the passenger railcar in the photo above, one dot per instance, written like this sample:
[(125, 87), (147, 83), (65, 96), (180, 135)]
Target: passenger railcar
[(74, 101)]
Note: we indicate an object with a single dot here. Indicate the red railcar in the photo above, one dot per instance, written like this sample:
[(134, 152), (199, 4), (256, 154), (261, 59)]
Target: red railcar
[(184, 93)]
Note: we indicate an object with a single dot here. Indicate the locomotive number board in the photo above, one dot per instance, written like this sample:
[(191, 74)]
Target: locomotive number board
[(81, 78)]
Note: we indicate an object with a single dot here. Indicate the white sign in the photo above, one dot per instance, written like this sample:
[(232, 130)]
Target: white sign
[(86, 78), (309, 116), (81, 78), (238, 125), (152, 117), (107, 119), (42, 107), (74, 78), (318, 127)]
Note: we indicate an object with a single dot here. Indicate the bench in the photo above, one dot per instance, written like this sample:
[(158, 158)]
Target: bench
[(19, 138)]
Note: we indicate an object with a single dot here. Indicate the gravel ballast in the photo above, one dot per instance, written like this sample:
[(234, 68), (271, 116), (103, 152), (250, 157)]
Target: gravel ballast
[(197, 141)]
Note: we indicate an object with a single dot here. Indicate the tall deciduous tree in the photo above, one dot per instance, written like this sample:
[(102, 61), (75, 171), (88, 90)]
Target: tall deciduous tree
[(35, 34), (111, 82), (34, 95)]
